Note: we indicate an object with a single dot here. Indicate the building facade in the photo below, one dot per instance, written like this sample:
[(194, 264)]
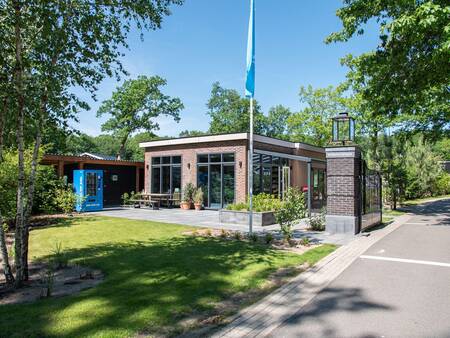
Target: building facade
[(219, 164)]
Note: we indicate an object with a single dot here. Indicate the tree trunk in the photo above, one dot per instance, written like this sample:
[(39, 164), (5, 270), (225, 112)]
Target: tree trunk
[(120, 154), (18, 83), (31, 185), (3, 249)]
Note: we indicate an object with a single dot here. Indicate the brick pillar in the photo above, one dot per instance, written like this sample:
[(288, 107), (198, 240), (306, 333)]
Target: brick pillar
[(343, 189)]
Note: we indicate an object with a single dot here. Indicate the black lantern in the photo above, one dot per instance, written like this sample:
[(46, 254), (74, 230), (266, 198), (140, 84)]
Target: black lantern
[(343, 128)]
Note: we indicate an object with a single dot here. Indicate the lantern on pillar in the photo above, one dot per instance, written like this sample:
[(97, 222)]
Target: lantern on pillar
[(343, 129)]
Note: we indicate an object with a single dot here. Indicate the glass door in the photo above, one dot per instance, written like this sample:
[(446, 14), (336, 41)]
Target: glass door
[(215, 186)]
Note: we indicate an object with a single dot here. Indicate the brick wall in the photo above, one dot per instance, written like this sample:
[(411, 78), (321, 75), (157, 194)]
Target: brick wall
[(343, 186), (189, 156)]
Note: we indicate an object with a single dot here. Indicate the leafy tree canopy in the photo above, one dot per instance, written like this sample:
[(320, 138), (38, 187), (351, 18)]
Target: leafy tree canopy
[(406, 77), (275, 123), (135, 106), (230, 112)]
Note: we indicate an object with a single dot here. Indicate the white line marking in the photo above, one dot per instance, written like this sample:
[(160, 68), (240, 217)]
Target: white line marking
[(402, 260)]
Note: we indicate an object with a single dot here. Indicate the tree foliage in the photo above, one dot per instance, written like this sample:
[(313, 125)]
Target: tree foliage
[(276, 122), (47, 49), (312, 124), (134, 107), (230, 112), (406, 78)]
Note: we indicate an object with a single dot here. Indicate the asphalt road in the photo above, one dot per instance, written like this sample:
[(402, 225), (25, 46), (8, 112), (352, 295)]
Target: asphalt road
[(400, 287)]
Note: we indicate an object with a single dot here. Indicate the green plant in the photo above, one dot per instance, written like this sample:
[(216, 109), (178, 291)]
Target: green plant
[(223, 233), (261, 202), (198, 196), (66, 199), (59, 258), (47, 278), (268, 238), (188, 192), (292, 211), (237, 235), (317, 222), (253, 237), (305, 241)]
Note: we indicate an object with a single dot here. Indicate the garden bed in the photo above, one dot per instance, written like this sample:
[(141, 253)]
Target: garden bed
[(241, 217)]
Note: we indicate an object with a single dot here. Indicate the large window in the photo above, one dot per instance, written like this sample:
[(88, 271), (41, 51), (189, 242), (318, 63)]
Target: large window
[(267, 173), (166, 174), (216, 177)]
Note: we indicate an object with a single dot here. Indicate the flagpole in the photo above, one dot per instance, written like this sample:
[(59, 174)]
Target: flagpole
[(250, 172)]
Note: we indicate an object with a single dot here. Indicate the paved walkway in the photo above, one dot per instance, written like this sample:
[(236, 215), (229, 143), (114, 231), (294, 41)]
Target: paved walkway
[(393, 283), (210, 219)]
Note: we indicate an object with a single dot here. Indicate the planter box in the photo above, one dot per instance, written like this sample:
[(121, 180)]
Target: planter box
[(241, 217)]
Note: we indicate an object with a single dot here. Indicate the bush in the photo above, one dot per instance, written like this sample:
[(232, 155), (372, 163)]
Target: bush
[(442, 185), (261, 202), (65, 199), (317, 222), (293, 209), (268, 238), (188, 192), (253, 237)]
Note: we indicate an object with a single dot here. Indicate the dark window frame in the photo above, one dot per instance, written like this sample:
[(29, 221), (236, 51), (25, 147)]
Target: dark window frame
[(222, 163), (171, 164)]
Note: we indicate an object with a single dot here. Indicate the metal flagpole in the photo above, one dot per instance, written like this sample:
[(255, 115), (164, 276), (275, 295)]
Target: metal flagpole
[(250, 172)]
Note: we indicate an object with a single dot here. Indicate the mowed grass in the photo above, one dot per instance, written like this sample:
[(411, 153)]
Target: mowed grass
[(154, 276)]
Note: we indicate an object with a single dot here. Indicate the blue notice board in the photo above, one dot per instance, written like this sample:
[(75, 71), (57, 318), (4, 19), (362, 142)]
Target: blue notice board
[(88, 185)]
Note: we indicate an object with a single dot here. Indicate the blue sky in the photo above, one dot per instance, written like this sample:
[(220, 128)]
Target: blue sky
[(204, 41)]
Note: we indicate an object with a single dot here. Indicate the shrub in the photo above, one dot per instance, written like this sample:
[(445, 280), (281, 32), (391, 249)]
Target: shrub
[(268, 238), (237, 235), (253, 237), (188, 192), (305, 241), (293, 210), (65, 199), (317, 222), (59, 259), (261, 202), (198, 196), (223, 233), (442, 185)]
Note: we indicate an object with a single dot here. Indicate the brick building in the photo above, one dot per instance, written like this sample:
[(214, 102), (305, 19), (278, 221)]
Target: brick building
[(219, 164)]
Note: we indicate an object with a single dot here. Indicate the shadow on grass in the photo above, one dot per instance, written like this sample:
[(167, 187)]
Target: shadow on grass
[(149, 284)]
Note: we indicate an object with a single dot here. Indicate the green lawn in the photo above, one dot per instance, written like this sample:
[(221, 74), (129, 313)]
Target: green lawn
[(155, 276)]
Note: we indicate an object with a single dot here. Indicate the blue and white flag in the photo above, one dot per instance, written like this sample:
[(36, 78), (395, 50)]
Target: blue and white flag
[(250, 80)]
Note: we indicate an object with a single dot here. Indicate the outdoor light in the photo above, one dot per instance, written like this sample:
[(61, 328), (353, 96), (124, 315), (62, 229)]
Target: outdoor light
[(240, 164), (343, 128), (189, 166)]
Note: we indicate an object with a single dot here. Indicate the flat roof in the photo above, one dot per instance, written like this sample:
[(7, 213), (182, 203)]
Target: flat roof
[(230, 137)]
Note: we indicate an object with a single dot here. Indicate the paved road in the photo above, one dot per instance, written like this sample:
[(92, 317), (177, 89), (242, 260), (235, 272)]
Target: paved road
[(400, 287)]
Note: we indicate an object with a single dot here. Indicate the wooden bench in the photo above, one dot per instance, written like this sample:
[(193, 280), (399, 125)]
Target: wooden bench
[(139, 203)]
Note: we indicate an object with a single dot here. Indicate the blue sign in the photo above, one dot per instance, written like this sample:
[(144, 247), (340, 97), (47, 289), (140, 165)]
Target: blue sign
[(88, 185)]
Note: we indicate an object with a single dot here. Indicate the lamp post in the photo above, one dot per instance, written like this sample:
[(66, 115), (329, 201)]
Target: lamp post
[(343, 129)]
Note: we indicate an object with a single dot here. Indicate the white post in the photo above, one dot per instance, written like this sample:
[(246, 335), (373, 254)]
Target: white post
[(250, 172), (309, 189)]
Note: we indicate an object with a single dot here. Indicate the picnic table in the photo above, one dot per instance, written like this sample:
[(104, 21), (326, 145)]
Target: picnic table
[(143, 200), (168, 198)]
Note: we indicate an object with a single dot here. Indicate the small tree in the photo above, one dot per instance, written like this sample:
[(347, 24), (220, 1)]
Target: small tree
[(293, 210)]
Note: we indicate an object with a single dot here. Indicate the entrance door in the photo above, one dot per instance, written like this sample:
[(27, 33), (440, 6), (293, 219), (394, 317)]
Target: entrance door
[(285, 180)]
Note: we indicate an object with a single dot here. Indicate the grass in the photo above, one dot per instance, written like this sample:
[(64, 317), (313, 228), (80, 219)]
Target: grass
[(155, 276), (423, 200)]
